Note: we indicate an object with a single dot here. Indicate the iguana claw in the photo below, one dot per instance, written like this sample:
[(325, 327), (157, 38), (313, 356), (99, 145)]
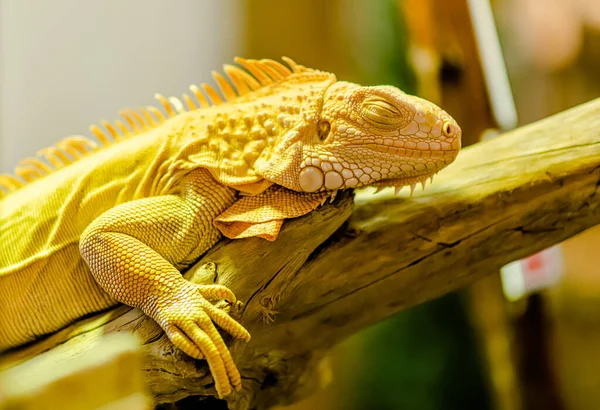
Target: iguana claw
[(189, 321)]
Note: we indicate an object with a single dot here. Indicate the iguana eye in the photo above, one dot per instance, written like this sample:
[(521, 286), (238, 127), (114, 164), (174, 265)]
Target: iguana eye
[(380, 112), (323, 129)]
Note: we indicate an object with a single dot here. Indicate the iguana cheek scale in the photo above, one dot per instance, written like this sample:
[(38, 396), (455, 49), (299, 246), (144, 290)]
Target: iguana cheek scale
[(88, 224)]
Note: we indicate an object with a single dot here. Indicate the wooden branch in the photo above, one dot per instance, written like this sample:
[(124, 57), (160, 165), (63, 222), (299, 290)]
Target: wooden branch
[(338, 270), (66, 378)]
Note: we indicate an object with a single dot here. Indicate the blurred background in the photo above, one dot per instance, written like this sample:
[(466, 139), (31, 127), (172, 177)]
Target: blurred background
[(527, 337)]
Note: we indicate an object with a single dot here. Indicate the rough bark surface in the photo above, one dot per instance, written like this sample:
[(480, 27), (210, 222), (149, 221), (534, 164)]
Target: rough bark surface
[(355, 262)]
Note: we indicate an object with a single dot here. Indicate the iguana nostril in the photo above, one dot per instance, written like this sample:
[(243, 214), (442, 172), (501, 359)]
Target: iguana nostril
[(448, 129)]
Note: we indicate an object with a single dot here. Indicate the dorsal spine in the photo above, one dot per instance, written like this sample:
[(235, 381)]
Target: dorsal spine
[(260, 73)]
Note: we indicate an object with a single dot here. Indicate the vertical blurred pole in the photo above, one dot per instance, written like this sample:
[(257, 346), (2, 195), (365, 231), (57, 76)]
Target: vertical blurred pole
[(423, 54), (304, 30), (441, 34), (445, 55)]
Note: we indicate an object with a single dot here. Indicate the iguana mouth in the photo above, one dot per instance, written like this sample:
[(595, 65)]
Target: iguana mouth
[(399, 183), (409, 152)]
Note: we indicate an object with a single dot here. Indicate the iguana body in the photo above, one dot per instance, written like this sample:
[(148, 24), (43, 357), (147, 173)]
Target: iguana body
[(85, 227)]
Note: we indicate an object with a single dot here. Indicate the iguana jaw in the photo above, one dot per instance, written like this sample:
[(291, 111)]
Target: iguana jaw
[(332, 174), (399, 183)]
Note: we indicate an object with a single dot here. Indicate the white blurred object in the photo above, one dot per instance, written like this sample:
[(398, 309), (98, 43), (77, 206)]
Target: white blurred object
[(537, 272), (545, 268), (67, 64), (492, 62)]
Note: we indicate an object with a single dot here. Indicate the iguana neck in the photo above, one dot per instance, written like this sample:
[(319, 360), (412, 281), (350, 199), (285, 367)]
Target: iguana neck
[(236, 142)]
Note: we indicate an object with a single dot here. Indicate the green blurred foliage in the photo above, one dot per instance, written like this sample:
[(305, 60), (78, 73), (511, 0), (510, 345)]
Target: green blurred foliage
[(382, 48), (424, 358)]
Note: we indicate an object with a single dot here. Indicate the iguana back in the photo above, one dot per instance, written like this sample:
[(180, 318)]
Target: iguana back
[(44, 282)]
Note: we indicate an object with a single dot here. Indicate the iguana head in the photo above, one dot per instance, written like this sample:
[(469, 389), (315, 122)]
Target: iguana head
[(301, 129), (365, 136)]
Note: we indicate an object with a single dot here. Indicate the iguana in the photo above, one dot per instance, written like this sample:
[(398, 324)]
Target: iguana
[(90, 224)]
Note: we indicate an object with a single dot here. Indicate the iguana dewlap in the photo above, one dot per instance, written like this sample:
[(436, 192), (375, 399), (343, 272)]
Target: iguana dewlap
[(87, 225)]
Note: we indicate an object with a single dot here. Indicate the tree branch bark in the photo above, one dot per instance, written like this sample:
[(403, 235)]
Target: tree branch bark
[(353, 263)]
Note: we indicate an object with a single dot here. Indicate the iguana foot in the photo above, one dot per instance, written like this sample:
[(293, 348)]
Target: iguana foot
[(189, 321)]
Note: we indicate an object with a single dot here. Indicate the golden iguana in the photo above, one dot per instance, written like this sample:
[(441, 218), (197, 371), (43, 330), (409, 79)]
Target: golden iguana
[(87, 225)]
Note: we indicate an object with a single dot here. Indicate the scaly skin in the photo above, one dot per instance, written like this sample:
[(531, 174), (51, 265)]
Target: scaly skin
[(85, 226)]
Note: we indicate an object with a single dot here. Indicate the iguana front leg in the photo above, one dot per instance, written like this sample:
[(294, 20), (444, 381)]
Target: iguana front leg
[(133, 251)]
